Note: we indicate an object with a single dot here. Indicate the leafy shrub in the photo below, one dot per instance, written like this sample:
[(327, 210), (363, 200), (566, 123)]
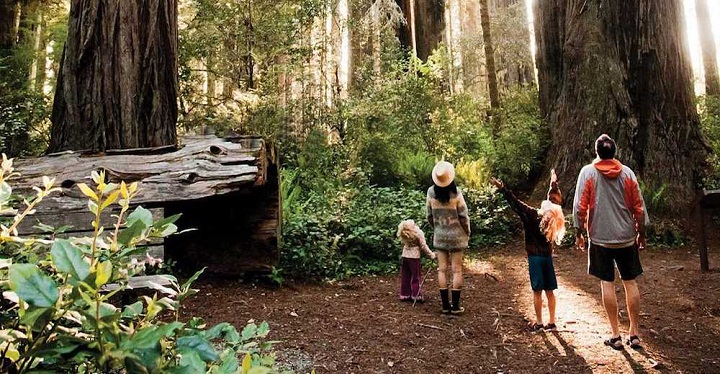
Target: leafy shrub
[(57, 311), (491, 220), (522, 138), (710, 122), (352, 230)]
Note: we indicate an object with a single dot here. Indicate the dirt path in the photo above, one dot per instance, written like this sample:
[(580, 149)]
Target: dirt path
[(358, 326)]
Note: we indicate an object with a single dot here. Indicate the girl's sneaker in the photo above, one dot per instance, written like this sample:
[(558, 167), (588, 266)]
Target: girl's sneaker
[(550, 327), (405, 298)]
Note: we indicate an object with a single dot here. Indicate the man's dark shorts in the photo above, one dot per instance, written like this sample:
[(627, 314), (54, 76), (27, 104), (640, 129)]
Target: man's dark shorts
[(542, 273), (602, 261)]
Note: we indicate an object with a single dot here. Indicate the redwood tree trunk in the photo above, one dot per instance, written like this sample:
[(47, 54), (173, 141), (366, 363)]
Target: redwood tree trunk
[(429, 24), (707, 42), (117, 84), (622, 69), (7, 25), (489, 54)]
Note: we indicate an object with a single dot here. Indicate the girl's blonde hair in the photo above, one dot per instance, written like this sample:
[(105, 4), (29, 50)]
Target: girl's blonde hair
[(407, 229), (552, 223)]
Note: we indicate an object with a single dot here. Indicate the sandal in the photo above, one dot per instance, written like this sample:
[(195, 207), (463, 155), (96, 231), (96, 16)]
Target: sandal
[(634, 342), (614, 343), (550, 327), (533, 327)]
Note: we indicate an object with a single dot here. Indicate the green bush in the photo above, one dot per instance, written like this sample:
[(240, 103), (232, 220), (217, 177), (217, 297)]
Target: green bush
[(522, 138), (710, 122), (491, 220), (58, 313), (351, 230)]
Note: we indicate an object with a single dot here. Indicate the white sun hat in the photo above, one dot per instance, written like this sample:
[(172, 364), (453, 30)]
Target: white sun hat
[(443, 174)]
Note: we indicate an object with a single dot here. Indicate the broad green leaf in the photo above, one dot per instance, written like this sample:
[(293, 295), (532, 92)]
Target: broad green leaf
[(168, 230), (133, 310), (218, 330), (263, 329), (132, 231), (190, 362), (149, 337), (32, 285), (229, 364), (104, 271), (36, 317), (69, 259), (87, 191), (105, 309), (249, 331), (140, 214), (167, 220), (259, 370), (199, 345)]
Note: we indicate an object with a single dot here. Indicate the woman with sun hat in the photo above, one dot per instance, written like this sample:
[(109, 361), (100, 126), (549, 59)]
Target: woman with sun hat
[(447, 214)]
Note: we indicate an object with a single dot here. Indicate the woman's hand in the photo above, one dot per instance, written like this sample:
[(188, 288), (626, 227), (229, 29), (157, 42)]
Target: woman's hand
[(497, 182)]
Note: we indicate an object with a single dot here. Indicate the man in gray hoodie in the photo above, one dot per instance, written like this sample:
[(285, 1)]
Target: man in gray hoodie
[(609, 207)]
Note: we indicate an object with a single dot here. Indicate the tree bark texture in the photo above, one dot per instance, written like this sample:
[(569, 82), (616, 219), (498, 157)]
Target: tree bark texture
[(117, 84), (489, 54), (709, 52), (428, 22), (205, 166), (7, 25), (620, 68)]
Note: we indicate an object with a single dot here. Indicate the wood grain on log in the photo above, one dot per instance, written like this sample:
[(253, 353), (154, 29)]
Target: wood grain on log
[(205, 166)]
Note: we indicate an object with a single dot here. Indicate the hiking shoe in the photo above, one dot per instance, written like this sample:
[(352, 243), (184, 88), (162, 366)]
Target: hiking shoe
[(614, 343), (534, 328)]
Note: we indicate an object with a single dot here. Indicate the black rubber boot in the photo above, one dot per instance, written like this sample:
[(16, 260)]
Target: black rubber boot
[(456, 308), (445, 300)]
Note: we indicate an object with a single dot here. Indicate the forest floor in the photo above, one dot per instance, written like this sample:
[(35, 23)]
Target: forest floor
[(359, 326)]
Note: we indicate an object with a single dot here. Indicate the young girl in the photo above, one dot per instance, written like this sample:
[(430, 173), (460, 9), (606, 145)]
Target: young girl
[(447, 213), (413, 240), (544, 228)]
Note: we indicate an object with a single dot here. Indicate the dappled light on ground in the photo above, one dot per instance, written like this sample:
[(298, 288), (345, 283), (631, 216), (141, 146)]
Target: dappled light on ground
[(357, 325), (581, 320)]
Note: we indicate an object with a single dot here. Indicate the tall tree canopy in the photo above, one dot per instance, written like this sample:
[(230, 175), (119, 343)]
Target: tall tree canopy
[(620, 68), (117, 85)]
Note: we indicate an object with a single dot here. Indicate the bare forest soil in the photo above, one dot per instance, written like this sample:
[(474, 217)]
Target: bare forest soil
[(359, 326)]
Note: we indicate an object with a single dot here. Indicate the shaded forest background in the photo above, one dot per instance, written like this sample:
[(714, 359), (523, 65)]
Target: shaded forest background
[(361, 97)]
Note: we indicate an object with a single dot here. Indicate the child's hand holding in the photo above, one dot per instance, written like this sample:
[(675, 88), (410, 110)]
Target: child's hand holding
[(433, 255)]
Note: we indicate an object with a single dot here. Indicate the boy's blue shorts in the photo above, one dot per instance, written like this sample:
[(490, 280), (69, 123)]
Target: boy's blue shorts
[(542, 273)]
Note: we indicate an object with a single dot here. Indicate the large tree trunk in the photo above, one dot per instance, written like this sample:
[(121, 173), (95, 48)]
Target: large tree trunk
[(117, 84), (489, 54), (707, 42), (620, 68), (429, 24), (7, 25), (425, 25)]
